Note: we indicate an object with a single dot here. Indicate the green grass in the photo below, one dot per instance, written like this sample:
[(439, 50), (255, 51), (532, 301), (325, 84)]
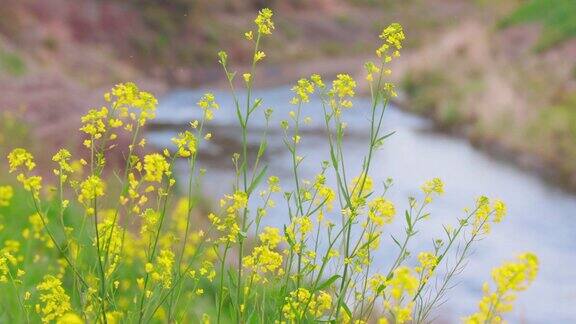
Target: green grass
[(558, 18)]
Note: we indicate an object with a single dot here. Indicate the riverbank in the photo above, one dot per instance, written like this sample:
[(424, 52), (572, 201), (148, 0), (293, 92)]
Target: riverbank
[(474, 76)]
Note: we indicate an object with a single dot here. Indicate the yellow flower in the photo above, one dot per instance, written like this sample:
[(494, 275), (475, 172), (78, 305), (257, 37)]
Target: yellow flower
[(20, 157), (186, 143), (259, 56), (274, 184), (162, 272), (32, 183), (303, 89), (270, 237), (54, 302), (402, 283), (64, 168), (264, 21), (263, 260), (428, 262), (222, 58), (155, 166), (480, 223), (36, 230), (381, 211), (343, 88), (393, 36), (433, 186), (509, 278), (208, 104), (70, 318), (317, 79), (93, 124), (127, 97), (6, 194), (91, 188), (247, 77), (499, 211)]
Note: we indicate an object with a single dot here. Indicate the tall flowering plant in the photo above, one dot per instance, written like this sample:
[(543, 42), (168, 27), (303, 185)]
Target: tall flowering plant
[(127, 246)]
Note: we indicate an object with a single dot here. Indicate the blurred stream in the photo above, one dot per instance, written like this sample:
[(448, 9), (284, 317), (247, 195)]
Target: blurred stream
[(541, 218)]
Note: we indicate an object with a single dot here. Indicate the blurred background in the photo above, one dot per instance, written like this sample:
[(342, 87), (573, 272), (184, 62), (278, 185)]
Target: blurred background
[(487, 101)]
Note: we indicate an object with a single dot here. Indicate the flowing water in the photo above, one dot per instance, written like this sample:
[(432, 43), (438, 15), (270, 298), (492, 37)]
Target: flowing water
[(541, 218)]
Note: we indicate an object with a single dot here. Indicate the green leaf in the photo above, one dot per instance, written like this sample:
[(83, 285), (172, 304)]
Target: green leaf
[(395, 241), (347, 310), (385, 136), (262, 148), (257, 181), (328, 282)]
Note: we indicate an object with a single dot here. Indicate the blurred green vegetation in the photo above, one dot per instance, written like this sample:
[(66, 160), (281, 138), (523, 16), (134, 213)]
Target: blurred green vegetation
[(557, 16), (13, 133), (557, 124), (438, 95), (11, 63)]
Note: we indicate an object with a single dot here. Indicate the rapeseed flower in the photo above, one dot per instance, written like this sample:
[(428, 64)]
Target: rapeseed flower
[(381, 211), (509, 278), (156, 166), (403, 283), (6, 194), (91, 188), (302, 90), (186, 143), (343, 89), (208, 104), (20, 157), (129, 101), (264, 21), (54, 302)]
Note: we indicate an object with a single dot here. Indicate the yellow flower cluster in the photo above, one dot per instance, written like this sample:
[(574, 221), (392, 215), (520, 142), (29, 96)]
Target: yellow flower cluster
[(20, 159), (208, 104), (511, 277), (393, 36), (55, 303), (263, 258), (325, 193), (428, 262), (90, 189), (94, 123), (127, 97), (112, 243), (228, 225), (434, 185), (303, 89), (62, 158), (161, 271), (156, 166), (381, 211), (186, 144), (36, 231), (6, 260), (403, 283), (6, 194), (483, 212), (360, 188), (343, 89), (302, 301), (274, 184), (264, 21)]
